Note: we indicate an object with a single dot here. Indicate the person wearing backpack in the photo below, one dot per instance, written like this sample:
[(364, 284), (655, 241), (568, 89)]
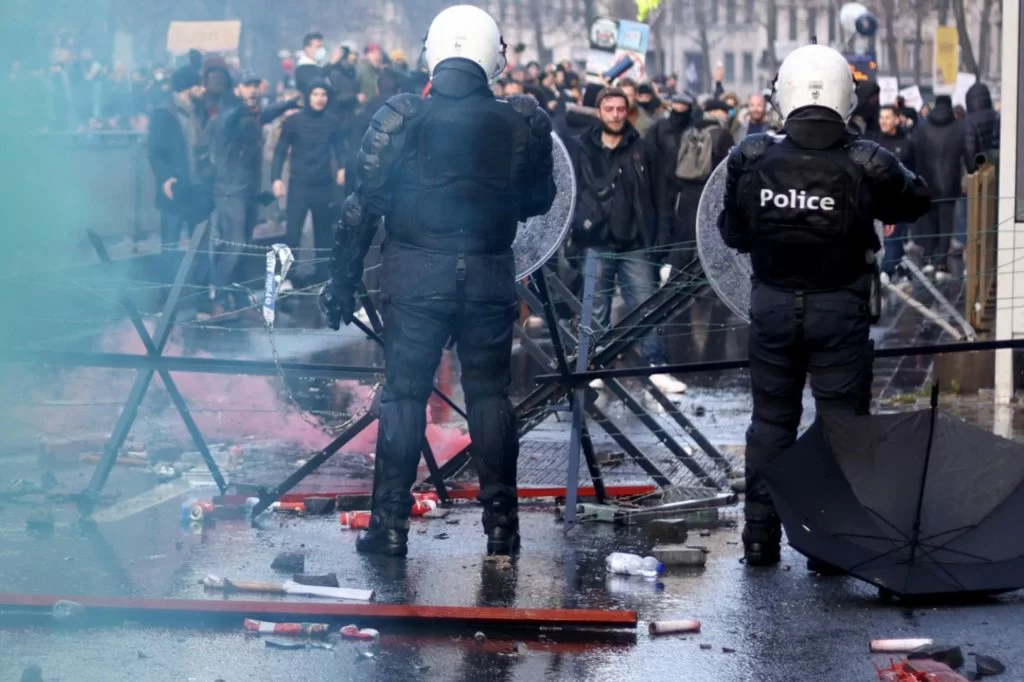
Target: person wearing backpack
[(703, 146), (616, 216)]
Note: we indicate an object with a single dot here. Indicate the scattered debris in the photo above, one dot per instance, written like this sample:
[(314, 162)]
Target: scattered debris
[(289, 562), (518, 650), (499, 561), (705, 533), (274, 644), (325, 580), (728, 650), (927, 669), (354, 520), (705, 647), (451, 522), (949, 654), (680, 555), (897, 646), (700, 410), (420, 668), (441, 536), (142, 655), (68, 612), (366, 634), (670, 627), (291, 629), (667, 531), (987, 665), (212, 582), (480, 638), (296, 508), (437, 513), (166, 472), (327, 646), (422, 530), (365, 655), (320, 506), (40, 520), (32, 673)]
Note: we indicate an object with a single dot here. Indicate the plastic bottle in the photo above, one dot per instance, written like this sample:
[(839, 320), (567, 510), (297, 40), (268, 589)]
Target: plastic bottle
[(632, 564)]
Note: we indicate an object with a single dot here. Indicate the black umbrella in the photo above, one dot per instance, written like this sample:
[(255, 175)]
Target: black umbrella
[(918, 503)]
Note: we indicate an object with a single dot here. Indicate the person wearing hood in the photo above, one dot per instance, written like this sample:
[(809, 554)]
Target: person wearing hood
[(638, 117), (981, 127), (938, 142), (664, 138), (452, 175), (688, 173), (219, 94), (803, 207), (648, 100), (315, 139), (865, 116)]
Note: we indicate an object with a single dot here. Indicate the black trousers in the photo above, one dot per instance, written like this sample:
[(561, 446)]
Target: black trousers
[(830, 340), (936, 229), (304, 199), (423, 306), (236, 218)]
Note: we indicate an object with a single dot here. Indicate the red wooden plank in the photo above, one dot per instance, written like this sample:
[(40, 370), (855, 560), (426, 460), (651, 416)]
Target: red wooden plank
[(441, 615), (471, 493)]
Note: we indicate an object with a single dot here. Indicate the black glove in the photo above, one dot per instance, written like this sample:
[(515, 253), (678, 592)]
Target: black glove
[(337, 304)]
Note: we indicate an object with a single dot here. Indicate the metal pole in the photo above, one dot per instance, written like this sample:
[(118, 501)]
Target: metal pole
[(582, 358)]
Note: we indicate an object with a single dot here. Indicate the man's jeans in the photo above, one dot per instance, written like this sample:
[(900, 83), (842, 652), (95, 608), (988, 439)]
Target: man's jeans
[(634, 273)]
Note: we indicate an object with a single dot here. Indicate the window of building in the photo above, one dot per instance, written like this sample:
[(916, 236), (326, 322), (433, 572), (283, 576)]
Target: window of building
[(750, 12), (832, 23), (792, 23), (730, 12), (713, 11), (812, 23), (730, 67), (748, 67)]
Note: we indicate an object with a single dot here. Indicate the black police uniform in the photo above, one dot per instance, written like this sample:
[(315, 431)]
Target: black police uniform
[(452, 175), (803, 205)]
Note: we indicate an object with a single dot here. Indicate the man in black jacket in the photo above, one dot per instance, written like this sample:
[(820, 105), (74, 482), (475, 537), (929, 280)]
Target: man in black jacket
[(452, 175), (664, 139), (237, 154), (178, 160), (938, 142), (803, 207), (616, 215), (894, 139), (314, 137)]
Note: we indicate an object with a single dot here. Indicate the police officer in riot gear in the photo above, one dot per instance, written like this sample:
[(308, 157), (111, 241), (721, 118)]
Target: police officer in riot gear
[(802, 204), (452, 176)]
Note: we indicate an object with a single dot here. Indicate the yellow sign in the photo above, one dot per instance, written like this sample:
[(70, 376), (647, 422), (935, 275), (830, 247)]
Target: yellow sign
[(645, 7), (947, 57)]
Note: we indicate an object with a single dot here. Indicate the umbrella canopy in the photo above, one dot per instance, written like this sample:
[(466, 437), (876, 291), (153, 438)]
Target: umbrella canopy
[(917, 503)]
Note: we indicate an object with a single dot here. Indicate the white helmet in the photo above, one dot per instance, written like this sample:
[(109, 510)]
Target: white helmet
[(815, 75), (467, 32)]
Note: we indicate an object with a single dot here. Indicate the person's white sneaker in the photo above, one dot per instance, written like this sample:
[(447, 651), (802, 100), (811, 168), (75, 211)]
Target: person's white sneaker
[(285, 287), (362, 316), (928, 269), (596, 384), (667, 383), (665, 272), (941, 275)]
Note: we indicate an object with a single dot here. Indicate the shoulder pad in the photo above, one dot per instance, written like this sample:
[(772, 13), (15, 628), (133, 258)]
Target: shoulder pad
[(523, 105), (391, 117), (753, 146)]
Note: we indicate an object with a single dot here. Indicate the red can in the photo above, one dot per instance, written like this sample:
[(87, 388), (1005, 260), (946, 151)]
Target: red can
[(356, 520)]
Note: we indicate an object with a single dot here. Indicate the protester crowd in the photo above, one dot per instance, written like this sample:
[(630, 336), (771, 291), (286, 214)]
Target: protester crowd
[(642, 151)]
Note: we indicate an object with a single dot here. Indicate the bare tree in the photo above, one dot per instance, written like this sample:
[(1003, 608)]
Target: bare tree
[(985, 38), (768, 17), (966, 47), (538, 16), (889, 13)]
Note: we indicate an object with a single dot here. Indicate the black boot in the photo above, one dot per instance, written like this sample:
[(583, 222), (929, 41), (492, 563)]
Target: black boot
[(387, 535), (762, 535), (501, 523)]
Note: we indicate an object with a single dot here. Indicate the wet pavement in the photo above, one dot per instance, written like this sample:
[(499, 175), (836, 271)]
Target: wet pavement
[(777, 624)]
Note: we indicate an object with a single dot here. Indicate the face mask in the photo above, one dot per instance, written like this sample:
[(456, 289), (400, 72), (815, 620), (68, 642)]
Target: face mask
[(321, 53)]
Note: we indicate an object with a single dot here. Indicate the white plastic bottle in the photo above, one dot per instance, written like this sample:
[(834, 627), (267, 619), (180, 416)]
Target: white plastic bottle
[(632, 564)]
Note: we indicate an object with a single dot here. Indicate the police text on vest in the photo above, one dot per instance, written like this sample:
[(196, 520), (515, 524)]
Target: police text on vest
[(794, 199)]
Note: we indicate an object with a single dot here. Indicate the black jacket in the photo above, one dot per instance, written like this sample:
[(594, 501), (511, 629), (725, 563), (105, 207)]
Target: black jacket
[(939, 146), (625, 200), (981, 127), (317, 144), (237, 148), (898, 144), (168, 152)]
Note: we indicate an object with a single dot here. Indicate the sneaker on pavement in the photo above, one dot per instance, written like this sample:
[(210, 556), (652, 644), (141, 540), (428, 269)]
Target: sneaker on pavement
[(667, 383), (596, 384), (664, 273)]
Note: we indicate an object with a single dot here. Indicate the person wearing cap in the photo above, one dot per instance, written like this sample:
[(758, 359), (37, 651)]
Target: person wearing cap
[(237, 155), (368, 70), (175, 133), (399, 63)]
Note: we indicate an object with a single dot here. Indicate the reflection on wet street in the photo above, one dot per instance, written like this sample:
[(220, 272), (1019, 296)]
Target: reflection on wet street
[(777, 624)]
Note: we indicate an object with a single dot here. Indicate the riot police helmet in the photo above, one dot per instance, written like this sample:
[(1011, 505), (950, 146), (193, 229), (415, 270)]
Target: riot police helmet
[(818, 76), (465, 32)]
